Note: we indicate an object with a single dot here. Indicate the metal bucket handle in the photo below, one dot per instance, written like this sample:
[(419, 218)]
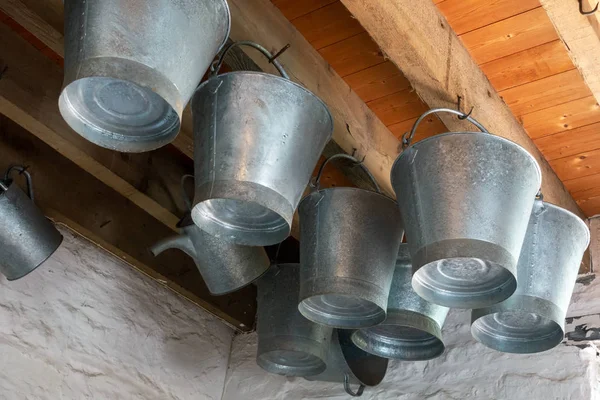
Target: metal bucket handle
[(407, 140), (216, 66), (5, 183), (349, 390), (347, 157)]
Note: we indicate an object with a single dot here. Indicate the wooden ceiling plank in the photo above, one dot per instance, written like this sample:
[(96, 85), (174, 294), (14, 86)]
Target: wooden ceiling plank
[(528, 65), (293, 9), (547, 92), (398, 107), (431, 126), (418, 39), (467, 15), (581, 35), (352, 55), (563, 117), (585, 187), (512, 35), (570, 143), (378, 81), (577, 166)]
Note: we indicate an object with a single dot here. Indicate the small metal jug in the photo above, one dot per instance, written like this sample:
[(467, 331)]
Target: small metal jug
[(465, 199), (412, 330), (288, 343), (27, 237), (533, 318), (349, 240)]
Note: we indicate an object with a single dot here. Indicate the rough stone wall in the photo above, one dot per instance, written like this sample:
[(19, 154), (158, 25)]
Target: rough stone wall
[(87, 326)]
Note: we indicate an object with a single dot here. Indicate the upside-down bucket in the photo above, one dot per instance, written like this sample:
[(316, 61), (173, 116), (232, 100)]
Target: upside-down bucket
[(533, 318), (465, 200), (27, 237), (132, 66), (257, 139), (349, 240), (288, 343), (413, 328)]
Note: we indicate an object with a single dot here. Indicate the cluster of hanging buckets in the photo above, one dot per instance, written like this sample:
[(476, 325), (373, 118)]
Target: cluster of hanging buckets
[(478, 233)]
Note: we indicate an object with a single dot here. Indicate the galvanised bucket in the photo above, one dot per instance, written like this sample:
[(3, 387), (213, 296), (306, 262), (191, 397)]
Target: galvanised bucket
[(224, 266), (348, 364), (532, 320), (349, 240), (465, 199), (288, 343), (257, 139), (413, 328), (27, 237), (132, 66)]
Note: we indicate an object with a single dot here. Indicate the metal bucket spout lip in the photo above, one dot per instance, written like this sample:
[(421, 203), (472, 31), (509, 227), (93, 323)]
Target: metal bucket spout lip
[(275, 77), (495, 137)]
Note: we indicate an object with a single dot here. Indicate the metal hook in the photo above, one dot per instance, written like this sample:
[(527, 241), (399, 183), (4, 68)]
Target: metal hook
[(22, 171), (464, 116), (356, 162), (280, 52), (349, 390), (216, 66), (539, 195), (587, 12)]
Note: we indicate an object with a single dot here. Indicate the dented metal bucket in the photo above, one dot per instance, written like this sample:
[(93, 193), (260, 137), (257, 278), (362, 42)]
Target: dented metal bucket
[(349, 365), (465, 199), (27, 237), (257, 139), (132, 66), (288, 343), (532, 319), (224, 266), (413, 328)]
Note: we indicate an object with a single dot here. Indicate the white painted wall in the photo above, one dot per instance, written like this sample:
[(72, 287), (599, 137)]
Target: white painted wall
[(87, 326)]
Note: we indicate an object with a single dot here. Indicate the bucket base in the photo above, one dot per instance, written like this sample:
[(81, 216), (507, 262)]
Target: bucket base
[(404, 335), (451, 273), (118, 114), (243, 213), (521, 325), (291, 355)]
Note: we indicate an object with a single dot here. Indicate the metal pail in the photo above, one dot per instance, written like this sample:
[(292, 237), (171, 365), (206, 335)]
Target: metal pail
[(27, 237), (348, 364), (132, 66), (465, 199), (413, 328), (349, 240), (532, 320), (288, 343), (257, 139)]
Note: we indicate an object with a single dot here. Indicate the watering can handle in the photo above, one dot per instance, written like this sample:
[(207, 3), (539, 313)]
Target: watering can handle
[(407, 140), (349, 390), (347, 157), (216, 66), (22, 171)]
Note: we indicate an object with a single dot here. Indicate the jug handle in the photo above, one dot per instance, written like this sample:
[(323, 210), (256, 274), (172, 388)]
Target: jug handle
[(406, 141), (216, 66), (347, 157), (22, 171), (349, 390)]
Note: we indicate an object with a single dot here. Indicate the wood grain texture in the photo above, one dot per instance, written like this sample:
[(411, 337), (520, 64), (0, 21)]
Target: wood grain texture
[(431, 126), (570, 143), (581, 34), (378, 81), (567, 116), (468, 15), (529, 65), (398, 107), (577, 166), (296, 8), (417, 38), (510, 36), (547, 92), (353, 54)]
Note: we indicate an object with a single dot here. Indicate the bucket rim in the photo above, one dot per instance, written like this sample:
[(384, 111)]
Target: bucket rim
[(570, 213), (346, 188), (492, 135), (228, 31), (272, 76)]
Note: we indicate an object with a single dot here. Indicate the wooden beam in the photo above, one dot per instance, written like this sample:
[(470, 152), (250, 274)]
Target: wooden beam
[(581, 35), (419, 40)]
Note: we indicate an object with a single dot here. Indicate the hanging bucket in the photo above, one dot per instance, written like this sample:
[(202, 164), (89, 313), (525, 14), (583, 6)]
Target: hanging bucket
[(132, 66), (257, 139), (465, 199), (533, 319), (413, 328), (224, 266), (288, 343), (349, 240), (349, 365), (27, 237)]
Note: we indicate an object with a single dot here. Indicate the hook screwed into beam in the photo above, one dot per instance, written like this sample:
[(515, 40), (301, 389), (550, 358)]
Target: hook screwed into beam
[(587, 12)]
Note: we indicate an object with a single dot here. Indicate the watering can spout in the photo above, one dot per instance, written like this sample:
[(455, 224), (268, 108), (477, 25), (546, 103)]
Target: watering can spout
[(181, 242)]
